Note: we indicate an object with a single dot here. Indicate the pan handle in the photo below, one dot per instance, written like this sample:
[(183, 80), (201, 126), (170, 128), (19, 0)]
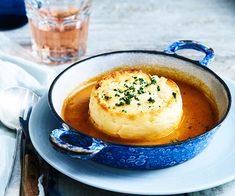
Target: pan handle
[(189, 44), (75, 144)]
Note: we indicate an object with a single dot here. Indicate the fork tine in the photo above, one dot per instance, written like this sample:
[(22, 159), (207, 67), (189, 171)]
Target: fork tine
[(23, 104), (26, 105), (31, 100)]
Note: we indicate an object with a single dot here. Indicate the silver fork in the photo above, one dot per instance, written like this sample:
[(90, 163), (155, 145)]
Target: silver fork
[(16, 104)]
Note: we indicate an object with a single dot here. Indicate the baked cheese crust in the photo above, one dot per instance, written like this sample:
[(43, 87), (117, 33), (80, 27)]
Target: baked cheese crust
[(134, 105)]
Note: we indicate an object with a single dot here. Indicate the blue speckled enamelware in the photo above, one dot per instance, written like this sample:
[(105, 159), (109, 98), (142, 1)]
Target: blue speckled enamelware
[(78, 145)]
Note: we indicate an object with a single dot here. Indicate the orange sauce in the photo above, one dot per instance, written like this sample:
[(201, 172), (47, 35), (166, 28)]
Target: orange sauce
[(199, 116)]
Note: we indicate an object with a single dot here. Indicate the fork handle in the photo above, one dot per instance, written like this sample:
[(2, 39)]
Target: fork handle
[(30, 175), (14, 181)]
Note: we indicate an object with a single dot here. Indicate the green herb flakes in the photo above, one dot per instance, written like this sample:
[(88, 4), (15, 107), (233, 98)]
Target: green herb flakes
[(136, 98), (158, 88), (119, 104), (132, 88), (106, 97), (153, 80), (126, 100), (151, 100), (141, 90), (117, 95), (142, 81), (174, 94)]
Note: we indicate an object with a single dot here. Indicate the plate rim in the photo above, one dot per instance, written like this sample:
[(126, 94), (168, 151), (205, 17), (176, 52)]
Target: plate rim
[(119, 190)]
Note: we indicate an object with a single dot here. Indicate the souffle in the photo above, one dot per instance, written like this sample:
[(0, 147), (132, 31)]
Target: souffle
[(134, 105)]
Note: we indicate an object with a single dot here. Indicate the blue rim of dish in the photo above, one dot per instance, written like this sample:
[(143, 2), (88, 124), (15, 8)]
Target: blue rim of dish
[(154, 52)]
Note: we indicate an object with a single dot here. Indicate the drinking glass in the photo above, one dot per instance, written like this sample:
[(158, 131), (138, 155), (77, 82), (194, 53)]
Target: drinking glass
[(59, 28)]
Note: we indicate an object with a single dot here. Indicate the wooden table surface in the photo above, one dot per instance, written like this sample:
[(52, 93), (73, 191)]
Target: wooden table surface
[(151, 24)]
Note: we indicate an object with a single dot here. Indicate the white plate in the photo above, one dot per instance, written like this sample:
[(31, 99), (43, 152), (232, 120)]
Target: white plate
[(213, 167)]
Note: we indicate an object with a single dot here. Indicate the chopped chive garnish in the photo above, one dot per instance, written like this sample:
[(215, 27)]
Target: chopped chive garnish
[(106, 97), (174, 94), (153, 80), (151, 100), (134, 77), (142, 81), (126, 100), (129, 96), (136, 98), (141, 91), (119, 104), (124, 111), (117, 95), (158, 88), (132, 88)]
